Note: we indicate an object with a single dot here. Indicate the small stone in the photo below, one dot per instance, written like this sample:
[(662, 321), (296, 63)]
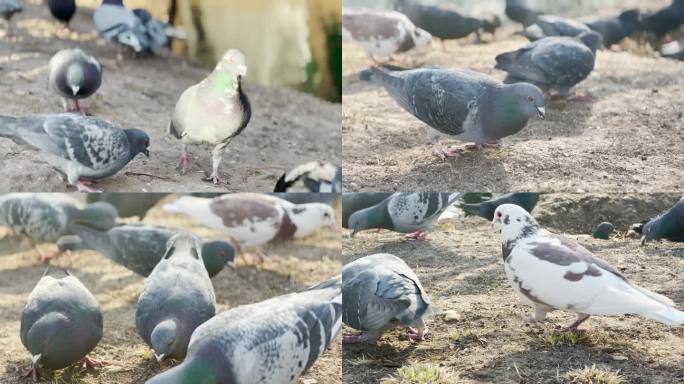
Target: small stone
[(619, 357), (451, 315)]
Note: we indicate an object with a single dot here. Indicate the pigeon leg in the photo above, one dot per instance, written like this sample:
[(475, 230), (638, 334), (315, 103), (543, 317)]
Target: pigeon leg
[(78, 108), (89, 362), (439, 151), (34, 373), (418, 333), (479, 146), (185, 161), (82, 186), (45, 257), (354, 339), (216, 156), (581, 97), (420, 235), (580, 319)]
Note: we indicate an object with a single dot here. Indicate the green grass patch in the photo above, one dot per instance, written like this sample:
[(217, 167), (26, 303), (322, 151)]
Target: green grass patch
[(565, 337), (421, 374), (593, 375)]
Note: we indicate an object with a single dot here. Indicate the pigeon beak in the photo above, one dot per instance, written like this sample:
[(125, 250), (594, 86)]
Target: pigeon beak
[(35, 358), (147, 153), (541, 111), (241, 70), (231, 265), (159, 357), (75, 89)]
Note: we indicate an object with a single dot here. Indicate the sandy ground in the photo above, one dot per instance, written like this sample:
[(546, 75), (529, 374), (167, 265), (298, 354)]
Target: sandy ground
[(287, 128), (304, 263), (627, 139), (461, 269)]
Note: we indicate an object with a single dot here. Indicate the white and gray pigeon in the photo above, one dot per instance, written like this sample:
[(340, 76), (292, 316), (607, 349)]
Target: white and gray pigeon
[(213, 112), (379, 291), (314, 176), (7, 9), (83, 148), (550, 272), (554, 64), (382, 33), (270, 342), (177, 297), (461, 104), (74, 75), (549, 25), (44, 218), (139, 247), (404, 212), (117, 23), (254, 219), (60, 324)]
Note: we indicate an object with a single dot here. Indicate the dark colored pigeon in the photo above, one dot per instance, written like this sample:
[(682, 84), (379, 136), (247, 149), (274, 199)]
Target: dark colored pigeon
[(61, 323), (176, 299), (518, 11), (603, 231), (485, 209), (74, 75), (84, 148), (129, 204), (356, 201), (664, 20), (270, 342), (462, 104), (548, 25), (614, 29), (315, 176), (62, 10), (669, 225)]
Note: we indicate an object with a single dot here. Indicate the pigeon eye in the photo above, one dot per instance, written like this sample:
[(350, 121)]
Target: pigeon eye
[(498, 214), (326, 215), (518, 219), (530, 98)]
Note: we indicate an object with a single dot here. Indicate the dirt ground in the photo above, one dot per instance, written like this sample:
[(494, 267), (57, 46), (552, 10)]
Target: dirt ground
[(628, 138), (304, 263), (487, 341), (287, 127)]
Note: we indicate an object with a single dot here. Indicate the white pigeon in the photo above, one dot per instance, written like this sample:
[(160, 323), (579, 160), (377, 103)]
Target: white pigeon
[(550, 272), (382, 33)]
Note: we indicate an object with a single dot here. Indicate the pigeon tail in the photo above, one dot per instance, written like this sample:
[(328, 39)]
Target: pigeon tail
[(471, 209), (655, 296), (668, 316)]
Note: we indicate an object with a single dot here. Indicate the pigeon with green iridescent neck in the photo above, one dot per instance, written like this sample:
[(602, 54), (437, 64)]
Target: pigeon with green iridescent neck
[(213, 112), (669, 225)]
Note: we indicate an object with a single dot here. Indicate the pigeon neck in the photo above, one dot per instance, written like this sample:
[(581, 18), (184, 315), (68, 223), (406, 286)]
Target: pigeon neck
[(307, 218), (514, 233), (224, 82), (505, 112)]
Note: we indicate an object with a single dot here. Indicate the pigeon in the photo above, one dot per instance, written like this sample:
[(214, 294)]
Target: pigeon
[(485, 209), (614, 29), (84, 148), (669, 225), (139, 247), (254, 219), (60, 324), (214, 111), (270, 342), (176, 299), (7, 9), (309, 197), (117, 23), (548, 25), (554, 64), (603, 231), (462, 104), (74, 75), (664, 20), (356, 201), (443, 23), (314, 176), (62, 10), (550, 272), (44, 218), (518, 11), (404, 212), (673, 50), (378, 290), (155, 30), (129, 204), (382, 33)]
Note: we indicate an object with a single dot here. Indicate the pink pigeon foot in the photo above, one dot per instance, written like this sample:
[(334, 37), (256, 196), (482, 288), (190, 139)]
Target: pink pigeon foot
[(46, 257), (439, 151), (184, 163), (416, 334), (89, 362), (83, 186), (354, 339), (33, 373), (215, 178), (573, 327), (581, 98), (420, 235), (480, 146)]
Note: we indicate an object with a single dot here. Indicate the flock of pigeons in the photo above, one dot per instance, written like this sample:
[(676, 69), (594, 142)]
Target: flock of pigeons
[(381, 291), (86, 149), (275, 340), (471, 106)]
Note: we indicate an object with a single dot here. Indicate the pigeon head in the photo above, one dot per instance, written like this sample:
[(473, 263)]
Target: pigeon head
[(421, 37), (233, 62), (367, 218), (666, 223), (184, 243), (216, 254), (592, 40), (165, 341), (45, 339), (196, 370), (309, 217), (75, 77), (138, 142), (524, 97), (100, 215), (129, 38), (490, 25), (514, 222), (630, 20)]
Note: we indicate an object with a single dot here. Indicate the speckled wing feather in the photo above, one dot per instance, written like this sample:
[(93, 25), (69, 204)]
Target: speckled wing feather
[(411, 211), (33, 217)]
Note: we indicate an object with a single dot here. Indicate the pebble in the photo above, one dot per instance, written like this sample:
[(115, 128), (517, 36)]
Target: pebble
[(451, 315)]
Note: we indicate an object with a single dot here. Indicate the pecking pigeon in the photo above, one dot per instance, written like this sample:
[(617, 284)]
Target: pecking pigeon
[(382, 33), (117, 23), (139, 247), (665, 19), (44, 218), (485, 209), (176, 299), (550, 272), (61, 323), (356, 201), (603, 231), (462, 104), (378, 290), (83, 148), (614, 29), (404, 212), (213, 111), (314, 177), (554, 64), (62, 10), (518, 11), (669, 225), (548, 25), (74, 75), (7, 9), (270, 342), (129, 204)]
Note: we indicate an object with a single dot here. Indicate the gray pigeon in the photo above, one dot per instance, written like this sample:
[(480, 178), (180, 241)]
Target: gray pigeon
[(356, 201), (548, 25), (517, 10), (462, 104), (379, 290), (270, 342), (404, 212), (74, 75), (551, 272), (117, 23), (61, 323), (485, 209), (669, 225), (603, 231), (614, 29), (315, 176), (213, 111), (139, 247), (155, 30), (176, 299), (44, 218), (83, 148), (129, 204), (553, 63), (7, 9), (382, 33)]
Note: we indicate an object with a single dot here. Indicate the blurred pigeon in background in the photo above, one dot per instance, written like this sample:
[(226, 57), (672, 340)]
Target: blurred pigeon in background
[(74, 75), (665, 19), (669, 225), (177, 297), (129, 204), (356, 201), (314, 176), (485, 209), (518, 11), (61, 323), (548, 25), (7, 9), (135, 29), (603, 231), (673, 49), (155, 30), (83, 148), (62, 10), (614, 29)]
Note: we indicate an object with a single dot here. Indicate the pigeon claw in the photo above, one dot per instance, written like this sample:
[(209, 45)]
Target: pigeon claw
[(33, 373), (420, 235), (83, 187), (416, 334), (89, 362), (480, 146), (183, 164), (355, 339), (439, 151), (215, 179)]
